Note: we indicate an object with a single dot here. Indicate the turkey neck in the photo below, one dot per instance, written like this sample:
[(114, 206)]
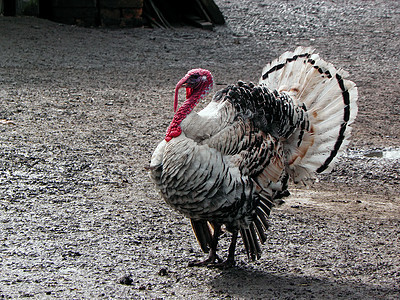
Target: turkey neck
[(174, 129)]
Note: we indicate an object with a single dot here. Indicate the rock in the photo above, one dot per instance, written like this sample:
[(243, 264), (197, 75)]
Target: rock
[(163, 272), (126, 279)]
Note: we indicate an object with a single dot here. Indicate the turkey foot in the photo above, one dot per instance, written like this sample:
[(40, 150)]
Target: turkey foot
[(212, 257), (212, 260), (229, 263)]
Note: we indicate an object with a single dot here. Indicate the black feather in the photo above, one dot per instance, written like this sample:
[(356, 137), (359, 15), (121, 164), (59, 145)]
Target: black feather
[(255, 240), (202, 232), (262, 217), (245, 239), (260, 230)]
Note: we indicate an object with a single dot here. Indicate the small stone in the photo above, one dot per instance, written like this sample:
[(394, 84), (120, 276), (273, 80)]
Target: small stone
[(126, 279), (163, 272)]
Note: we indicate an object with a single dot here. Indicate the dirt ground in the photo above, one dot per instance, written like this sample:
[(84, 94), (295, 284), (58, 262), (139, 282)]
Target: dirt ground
[(79, 218)]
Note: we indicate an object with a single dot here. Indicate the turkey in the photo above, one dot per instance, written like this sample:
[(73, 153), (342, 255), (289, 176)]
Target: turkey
[(224, 166)]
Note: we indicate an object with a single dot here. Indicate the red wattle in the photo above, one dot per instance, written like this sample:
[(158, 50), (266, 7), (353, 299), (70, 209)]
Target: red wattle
[(174, 130)]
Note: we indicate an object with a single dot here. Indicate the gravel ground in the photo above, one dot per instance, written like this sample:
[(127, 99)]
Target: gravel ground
[(79, 218)]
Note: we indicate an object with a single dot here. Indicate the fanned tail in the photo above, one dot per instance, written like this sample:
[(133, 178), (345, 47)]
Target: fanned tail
[(330, 101)]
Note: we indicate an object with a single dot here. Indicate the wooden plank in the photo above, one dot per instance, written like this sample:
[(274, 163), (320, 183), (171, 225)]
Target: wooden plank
[(199, 22)]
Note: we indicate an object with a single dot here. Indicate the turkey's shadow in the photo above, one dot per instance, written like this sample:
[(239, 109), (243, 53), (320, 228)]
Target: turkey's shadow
[(247, 283)]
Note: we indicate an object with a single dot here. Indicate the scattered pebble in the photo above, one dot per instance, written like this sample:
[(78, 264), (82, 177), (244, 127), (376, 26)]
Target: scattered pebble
[(126, 279), (163, 272)]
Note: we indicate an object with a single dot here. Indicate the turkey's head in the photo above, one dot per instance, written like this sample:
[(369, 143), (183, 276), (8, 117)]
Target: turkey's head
[(197, 82)]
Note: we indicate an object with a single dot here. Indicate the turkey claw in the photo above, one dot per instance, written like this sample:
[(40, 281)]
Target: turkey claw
[(209, 262), (223, 264)]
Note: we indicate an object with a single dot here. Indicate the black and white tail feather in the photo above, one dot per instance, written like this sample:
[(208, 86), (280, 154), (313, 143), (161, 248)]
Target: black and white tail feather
[(330, 101)]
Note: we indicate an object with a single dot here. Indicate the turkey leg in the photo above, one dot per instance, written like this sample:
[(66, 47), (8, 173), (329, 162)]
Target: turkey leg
[(212, 256), (230, 261)]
